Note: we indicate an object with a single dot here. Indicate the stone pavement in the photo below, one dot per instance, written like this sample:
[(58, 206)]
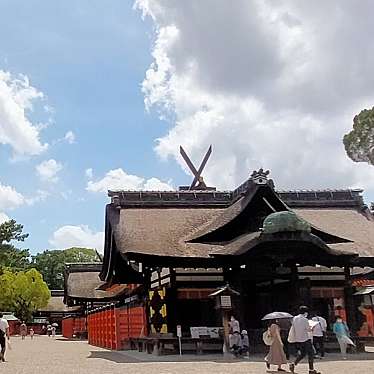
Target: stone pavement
[(46, 355)]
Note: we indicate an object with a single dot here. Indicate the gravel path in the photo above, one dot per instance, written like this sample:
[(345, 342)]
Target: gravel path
[(46, 355)]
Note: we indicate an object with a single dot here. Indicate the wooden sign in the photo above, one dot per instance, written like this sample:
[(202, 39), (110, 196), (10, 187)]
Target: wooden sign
[(179, 331), (225, 302)]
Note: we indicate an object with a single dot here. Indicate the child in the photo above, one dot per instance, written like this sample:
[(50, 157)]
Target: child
[(31, 333)]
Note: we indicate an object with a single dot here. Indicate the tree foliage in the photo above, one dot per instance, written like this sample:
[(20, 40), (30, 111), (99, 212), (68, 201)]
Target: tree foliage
[(51, 263), (10, 256), (23, 292), (14, 258), (359, 143), (11, 230)]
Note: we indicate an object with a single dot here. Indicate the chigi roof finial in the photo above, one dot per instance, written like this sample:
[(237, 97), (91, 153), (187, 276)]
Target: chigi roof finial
[(198, 181)]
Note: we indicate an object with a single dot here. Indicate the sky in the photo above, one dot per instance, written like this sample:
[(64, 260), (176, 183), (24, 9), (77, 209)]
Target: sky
[(99, 95)]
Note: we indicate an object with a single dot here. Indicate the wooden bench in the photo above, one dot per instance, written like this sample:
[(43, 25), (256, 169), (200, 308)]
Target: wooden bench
[(160, 344)]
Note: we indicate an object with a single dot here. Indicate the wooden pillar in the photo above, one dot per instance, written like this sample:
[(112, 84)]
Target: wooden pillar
[(349, 302), (147, 287), (305, 292), (272, 284), (225, 322), (172, 318), (294, 302)]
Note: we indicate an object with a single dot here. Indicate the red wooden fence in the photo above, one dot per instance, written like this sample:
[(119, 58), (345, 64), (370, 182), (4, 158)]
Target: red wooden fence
[(72, 326), (112, 327)]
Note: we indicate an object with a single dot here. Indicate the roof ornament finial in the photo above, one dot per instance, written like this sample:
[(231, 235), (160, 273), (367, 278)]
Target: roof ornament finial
[(261, 177), (198, 181)]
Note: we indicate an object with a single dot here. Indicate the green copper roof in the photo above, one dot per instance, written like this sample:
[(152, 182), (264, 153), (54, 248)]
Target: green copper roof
[(284, 221)]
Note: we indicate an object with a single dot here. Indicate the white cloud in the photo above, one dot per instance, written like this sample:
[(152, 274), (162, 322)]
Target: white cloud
[(40, 195), (70, 137), (3, 218), (10, 198), (17, 97), (269, 85), (48, 170), (89, 173), (77, 236), (154, 184), (118, 179)]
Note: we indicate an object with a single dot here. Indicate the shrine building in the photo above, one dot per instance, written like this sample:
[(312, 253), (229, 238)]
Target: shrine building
[(277, 249)]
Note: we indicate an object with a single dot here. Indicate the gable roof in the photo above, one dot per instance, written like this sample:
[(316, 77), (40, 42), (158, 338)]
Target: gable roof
[(199, 224)]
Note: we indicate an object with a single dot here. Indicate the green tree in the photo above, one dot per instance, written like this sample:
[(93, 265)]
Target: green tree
[(359, 143), (23, 292), (10, 256), (51, 263), (11, 230)]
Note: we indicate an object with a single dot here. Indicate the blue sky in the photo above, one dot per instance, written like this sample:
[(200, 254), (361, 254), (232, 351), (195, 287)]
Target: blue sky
[(254, 79), (89, 60)]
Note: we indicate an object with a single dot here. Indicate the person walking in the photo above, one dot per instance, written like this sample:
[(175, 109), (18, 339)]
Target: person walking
[(341, 332), (4, 332), (319, 332), (53, 330), (23, 330), (276, 355), (299, 334), (32, 333)]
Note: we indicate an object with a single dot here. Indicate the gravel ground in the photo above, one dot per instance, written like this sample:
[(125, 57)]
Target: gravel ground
[(54, 356)]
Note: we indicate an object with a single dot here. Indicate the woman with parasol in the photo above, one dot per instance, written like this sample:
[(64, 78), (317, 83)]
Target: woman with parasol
[(272, 337)]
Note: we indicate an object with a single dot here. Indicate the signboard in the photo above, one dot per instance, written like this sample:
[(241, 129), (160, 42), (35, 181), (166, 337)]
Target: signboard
[(212, 332), (179, 334), (179, 331), (225, 302), (198, 331)]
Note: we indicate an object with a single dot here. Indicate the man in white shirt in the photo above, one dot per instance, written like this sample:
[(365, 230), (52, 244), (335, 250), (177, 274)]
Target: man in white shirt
[(319, 331), (4, 332), (301, 330)]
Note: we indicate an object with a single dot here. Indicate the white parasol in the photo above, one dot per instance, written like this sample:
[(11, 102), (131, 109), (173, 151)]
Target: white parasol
[(277, 315)]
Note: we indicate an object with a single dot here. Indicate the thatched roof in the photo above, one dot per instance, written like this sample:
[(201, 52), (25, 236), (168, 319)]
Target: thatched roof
[(162, 231), (355, 226), (56, 305), (200, 225), (82, 283), (86, 285), (175, 231)]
